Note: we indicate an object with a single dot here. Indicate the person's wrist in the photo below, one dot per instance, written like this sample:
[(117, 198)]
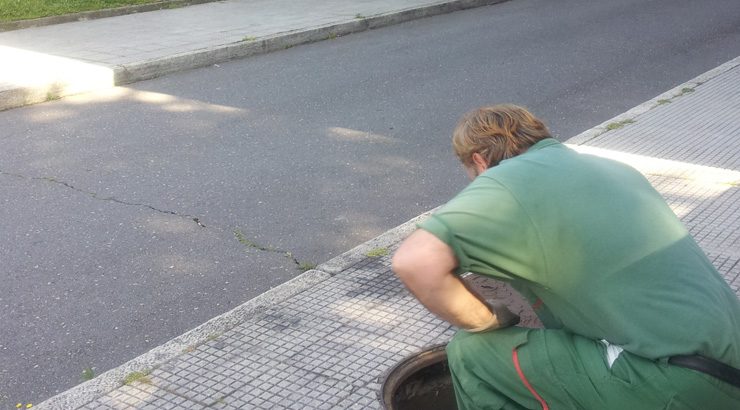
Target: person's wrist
[(501, 317), (491, 325)]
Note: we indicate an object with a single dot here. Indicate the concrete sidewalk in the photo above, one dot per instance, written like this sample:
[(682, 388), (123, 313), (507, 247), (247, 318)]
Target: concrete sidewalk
[(46, 63), (327, 338)]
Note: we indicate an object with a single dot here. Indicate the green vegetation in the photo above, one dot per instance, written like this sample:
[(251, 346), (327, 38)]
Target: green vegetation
[(686, 90), (331, 36), (661, 102), (88, 374), (141, 377), (359, 16), (246, 242), (306, 266), (249, 38), (377, 252), (618, 125), (13, 10), (302, 266)]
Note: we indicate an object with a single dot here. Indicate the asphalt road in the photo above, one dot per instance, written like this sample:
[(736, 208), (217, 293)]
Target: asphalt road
[(131, 216)]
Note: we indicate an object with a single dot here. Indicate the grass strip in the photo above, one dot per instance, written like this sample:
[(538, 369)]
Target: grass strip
[(14, 10)]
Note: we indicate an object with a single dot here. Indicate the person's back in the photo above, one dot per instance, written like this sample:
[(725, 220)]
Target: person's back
[(613, 261)]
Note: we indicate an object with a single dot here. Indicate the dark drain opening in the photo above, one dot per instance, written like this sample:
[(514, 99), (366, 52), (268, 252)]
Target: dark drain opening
[(421, 381)]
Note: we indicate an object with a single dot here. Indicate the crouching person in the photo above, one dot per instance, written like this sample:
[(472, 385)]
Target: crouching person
[(635, 315)]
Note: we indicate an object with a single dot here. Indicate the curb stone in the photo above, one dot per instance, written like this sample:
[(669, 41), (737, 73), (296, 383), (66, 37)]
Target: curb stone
[(146, 70), (358, 253), (114, 75), (88, 391)]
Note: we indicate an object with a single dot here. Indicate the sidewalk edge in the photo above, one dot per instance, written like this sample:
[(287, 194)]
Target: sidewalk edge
[(145, 70), (358, 253), (132, 72), (101, 385)]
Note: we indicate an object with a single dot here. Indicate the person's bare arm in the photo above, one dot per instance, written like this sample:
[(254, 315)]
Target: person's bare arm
[(426, 265)]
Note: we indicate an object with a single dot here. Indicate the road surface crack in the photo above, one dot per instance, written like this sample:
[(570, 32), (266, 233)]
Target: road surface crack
[(302, 266), (94, 195)]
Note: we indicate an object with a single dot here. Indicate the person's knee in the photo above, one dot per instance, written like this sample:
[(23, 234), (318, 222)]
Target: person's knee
[(495, 346), (455, 348)]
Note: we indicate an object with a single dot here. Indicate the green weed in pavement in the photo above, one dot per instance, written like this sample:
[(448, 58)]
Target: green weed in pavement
[(141, 377), (306, 266), (88, 374), (377, 252), (302, 266), (618, 125)]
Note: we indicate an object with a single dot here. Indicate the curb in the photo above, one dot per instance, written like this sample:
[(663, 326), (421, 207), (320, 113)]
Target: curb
[(145, 70), (98, 14), (128, 73), (358, 253), (88, 391), (633, 113)]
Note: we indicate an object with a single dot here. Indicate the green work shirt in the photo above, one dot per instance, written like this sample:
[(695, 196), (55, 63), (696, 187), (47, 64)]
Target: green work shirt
[(597, 251)]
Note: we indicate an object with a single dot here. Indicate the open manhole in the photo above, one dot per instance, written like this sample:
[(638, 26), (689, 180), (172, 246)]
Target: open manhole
[(420, 381)]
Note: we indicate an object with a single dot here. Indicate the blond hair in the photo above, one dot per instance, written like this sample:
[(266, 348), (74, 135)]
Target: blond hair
[(497, 133)]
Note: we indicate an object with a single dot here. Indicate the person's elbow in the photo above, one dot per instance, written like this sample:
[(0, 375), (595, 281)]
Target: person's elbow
[(402, 264), (422, 258)]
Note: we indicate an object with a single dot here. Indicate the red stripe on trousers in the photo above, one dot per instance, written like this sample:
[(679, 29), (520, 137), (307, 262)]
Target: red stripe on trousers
[(529, 387)]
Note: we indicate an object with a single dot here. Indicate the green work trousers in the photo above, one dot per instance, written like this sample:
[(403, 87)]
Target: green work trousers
[(519, 368)]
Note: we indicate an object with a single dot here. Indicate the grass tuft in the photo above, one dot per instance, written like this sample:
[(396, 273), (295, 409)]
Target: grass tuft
[(618, 125), (377, 252), (14, 10), (244, 241), (141, 377), (306, 266), (88, 374)]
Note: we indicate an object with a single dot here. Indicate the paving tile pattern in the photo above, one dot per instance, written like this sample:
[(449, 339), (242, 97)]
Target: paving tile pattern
[(700, 127)]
